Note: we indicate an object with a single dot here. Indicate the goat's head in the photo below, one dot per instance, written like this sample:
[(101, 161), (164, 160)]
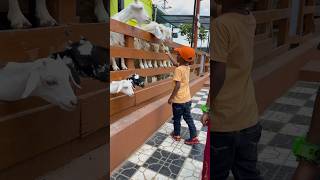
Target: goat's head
[(126, 87), (50, 80), (87, 59), (155, 47), (138, 12), (154, 29), (137, 80)]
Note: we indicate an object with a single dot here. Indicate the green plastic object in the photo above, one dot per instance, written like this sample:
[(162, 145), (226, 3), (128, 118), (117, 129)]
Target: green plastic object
[(204, 108), (304, 150)]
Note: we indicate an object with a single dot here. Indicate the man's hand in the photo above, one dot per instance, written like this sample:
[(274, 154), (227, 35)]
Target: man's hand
[(205, 119), (306, 171)]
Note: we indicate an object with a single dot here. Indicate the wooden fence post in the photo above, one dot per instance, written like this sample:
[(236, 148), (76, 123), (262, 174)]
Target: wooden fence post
[(129, 43)]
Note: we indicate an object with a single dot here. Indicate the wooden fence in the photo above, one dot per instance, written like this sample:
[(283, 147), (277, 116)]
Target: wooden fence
[(283, 23)]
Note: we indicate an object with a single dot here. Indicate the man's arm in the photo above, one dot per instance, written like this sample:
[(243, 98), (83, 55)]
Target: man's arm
[(217, 78), (175, 91), (306, 170), (218, 75)]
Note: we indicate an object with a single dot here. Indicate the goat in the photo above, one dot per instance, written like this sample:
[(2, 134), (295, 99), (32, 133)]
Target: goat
[(124, 86), (86, 59), (133, 11), (137, 80), (43, 78)]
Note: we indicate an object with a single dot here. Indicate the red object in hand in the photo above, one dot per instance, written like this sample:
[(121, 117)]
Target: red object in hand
[(206, 159)]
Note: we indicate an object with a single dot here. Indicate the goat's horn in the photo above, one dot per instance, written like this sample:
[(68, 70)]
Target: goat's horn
[(70, 42)]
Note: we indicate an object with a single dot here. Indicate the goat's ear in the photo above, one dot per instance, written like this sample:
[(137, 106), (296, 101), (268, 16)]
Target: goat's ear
[(32, 82), (120, 86), (75, 78)]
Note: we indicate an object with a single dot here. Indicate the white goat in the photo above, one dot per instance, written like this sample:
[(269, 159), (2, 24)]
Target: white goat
[(124, 86), (45, 78), (18, 20), (142, 45), (133, 11)]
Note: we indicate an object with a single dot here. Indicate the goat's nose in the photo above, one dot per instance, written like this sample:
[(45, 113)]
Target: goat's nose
[(74, 102)]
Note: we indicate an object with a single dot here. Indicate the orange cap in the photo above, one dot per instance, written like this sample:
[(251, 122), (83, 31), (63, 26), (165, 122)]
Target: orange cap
[(187, 53)]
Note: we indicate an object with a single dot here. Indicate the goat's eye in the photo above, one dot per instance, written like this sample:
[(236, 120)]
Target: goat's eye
[(51, 82)]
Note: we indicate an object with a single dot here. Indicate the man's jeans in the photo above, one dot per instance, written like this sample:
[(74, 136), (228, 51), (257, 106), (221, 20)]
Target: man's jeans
[(235, 151), (184, 110)]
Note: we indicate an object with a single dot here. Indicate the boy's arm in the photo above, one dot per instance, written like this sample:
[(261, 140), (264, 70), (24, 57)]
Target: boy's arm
[(174, 62), (174, 92)]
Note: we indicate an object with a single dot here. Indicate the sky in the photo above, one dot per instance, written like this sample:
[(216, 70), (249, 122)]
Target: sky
[(185, 7)]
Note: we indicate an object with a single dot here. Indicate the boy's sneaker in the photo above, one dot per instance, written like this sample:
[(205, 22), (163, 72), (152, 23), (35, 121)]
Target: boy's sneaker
[(176, 138), (192, 141)]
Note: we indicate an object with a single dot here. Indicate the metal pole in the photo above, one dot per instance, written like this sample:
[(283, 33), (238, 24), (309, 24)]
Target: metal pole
[(197, 19), (193, 20)]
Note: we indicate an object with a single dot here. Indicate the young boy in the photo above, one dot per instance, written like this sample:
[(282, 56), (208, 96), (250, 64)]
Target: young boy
[(180, 97)]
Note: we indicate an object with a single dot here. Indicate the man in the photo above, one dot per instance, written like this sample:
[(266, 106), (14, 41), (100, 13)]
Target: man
[(234, 131), (308, 168)]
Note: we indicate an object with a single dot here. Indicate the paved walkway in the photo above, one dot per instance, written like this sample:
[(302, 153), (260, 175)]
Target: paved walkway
[(162, 158), (288, 117)]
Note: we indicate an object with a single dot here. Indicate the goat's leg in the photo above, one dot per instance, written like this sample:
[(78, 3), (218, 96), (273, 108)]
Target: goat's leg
[(164, 63), (16, 17), (150, 64), (155, 64), (161, 64), (141, 64), (145, 63), (100, 11), (114, 64), (123, 64), (43, 14)]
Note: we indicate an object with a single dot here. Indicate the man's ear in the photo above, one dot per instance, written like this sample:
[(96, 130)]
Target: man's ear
[(32, 83)]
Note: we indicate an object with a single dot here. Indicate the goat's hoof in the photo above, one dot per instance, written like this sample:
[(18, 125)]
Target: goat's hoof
[(21, 25), (48, 23), (115, 68)]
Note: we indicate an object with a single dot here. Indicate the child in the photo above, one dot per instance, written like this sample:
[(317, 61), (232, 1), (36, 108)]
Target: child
[(180, 97)]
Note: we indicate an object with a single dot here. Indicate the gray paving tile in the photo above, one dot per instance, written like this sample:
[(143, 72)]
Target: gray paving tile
[(282, 140), (298, 95), (300, 119), (272, 126), (157, 139), (127, 170), (294, 129), (309, 104), (277, 116), (313, 85), (291, 109)]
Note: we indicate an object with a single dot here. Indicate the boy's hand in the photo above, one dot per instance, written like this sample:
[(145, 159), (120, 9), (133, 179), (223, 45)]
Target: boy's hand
[(205, 119)]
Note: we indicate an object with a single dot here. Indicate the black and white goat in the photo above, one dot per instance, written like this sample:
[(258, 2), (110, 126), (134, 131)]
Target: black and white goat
[(86, 60), (127, 86)]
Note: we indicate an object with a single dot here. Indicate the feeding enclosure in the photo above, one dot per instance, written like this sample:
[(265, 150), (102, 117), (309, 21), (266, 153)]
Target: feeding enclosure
[(35, 136)]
